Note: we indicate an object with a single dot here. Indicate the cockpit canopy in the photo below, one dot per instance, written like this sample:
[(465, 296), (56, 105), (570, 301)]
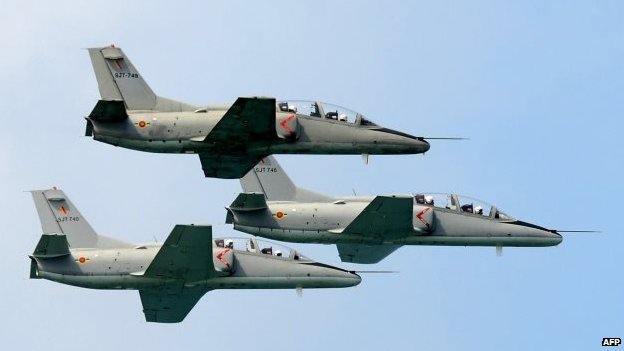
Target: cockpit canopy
[(260, 247), (324, 110), (462, 204)]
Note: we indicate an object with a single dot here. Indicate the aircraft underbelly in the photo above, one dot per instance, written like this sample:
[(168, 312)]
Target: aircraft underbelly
[(326, 237), (150, 145), (309, 236), (124, 281), (334, 147), (279, 282), (434, 240), (182, 143)]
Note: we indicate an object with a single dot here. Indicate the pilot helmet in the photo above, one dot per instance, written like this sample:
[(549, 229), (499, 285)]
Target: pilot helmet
[(479, 210), (229, 243), (429, 199), (292, 108), (342, 117), (278, 253)]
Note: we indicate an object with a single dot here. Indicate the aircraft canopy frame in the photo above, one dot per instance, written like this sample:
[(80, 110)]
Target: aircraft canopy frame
[(261, 247), (462, 204), (323, 110)]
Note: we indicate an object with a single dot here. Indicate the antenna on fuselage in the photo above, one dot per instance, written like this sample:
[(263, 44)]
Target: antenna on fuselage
[(578, 231), (354, 272)]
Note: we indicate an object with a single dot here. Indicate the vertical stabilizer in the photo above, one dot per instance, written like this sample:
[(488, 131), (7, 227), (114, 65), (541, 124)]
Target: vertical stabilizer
[(119, 80), (58, 215), (269, 178)]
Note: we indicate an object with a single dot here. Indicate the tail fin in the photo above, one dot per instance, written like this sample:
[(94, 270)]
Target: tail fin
[(269, 178), (118, 80), (58, 215)]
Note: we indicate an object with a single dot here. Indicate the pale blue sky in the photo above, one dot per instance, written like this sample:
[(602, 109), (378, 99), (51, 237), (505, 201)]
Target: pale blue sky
[(537, 86)]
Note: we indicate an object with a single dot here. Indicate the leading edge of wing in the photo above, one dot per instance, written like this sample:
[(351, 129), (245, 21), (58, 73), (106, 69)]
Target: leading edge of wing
[(185, 255), (249, 119), (385, 216)]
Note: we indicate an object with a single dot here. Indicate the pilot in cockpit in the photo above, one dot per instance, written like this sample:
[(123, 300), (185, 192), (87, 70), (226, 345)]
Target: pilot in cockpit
[(315, 110), (429, 200), (229, 244), (285, 107), (420, 199), (278, 253), (478, 210), (467, 208)]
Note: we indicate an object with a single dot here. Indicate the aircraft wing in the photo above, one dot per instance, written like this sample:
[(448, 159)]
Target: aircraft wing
[(248, 120), (162, 306), (385, 216), (358, 253), (230, 166), (186, 255)]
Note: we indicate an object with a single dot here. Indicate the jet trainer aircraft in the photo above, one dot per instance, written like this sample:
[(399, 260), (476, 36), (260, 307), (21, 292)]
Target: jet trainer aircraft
[(229, 140), (171, 276), (367, 229)]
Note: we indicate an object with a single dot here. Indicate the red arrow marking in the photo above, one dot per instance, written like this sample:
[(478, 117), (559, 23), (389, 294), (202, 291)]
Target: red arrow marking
[(420, 214), (220, 256), (285, 126)]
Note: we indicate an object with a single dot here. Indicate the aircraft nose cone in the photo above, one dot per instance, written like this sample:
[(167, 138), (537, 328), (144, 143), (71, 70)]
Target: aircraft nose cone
[(550, 237), (537, 235), (555, 237), (406, 142), (347, 278), (354, 278), (424, 145)]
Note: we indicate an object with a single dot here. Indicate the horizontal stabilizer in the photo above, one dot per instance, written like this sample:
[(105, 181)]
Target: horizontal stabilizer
[(109, 111), (384, 217), (51, 245), (249, 202)]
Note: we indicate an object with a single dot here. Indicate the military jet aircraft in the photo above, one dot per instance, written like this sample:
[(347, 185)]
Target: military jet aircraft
[(366, 229), (229, 140), (171, 276)]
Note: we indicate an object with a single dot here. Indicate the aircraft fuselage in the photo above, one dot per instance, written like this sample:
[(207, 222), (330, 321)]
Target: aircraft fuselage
[(323, 223), (184, 132), (123, 269)]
